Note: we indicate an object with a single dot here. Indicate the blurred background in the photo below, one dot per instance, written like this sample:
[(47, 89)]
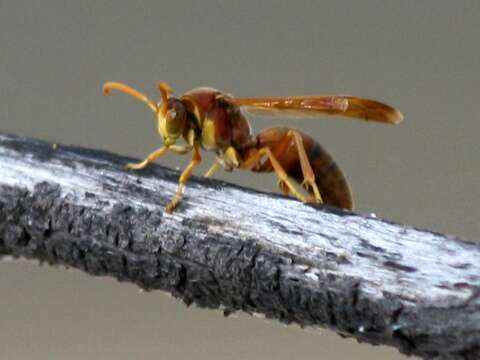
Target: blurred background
[(422, 57)]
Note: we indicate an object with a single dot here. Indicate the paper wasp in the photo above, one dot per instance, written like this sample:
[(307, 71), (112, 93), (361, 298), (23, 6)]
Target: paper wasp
[(211, 120)]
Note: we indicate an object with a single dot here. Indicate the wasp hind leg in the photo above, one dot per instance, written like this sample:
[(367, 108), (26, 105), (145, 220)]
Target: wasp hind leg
[(309, 182), (284, 182)]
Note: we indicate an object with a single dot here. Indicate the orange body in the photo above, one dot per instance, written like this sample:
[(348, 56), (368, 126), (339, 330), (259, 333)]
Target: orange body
[(231, 128), (210, 120)]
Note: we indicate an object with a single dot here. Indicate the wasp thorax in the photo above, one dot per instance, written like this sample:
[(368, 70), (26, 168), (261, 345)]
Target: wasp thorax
[(171, 121)]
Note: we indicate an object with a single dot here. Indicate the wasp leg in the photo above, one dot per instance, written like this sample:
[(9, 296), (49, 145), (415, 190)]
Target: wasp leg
[(308, 175), (196, 158), (284, 182), (150, 158), (277, 151), (213, 169), (181, 150)]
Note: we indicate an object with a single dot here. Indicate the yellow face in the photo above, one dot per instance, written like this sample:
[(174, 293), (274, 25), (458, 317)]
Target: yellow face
[(171, 121)]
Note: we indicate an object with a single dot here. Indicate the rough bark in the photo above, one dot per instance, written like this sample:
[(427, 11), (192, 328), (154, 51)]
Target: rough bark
[(239, 249)]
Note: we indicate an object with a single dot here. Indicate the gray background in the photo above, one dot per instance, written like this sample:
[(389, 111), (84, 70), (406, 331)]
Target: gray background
[(422, 57)]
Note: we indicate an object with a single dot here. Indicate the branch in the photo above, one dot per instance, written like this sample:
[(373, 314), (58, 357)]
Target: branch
[(238, 249)]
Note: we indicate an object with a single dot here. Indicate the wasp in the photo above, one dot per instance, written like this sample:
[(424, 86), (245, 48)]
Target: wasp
[(208, 119)]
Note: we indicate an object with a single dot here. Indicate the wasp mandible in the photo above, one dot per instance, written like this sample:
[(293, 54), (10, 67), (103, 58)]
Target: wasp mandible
[(208, 119)]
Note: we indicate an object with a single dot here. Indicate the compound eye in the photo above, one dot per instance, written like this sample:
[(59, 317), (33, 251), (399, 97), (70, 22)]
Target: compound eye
[(175, 117), (172, 114), (177, 111)]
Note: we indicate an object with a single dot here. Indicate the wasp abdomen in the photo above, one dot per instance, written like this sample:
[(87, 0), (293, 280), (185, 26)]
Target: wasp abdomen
[(329, 178)]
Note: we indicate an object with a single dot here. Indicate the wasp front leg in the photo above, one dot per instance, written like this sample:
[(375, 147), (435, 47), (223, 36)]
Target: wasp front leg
[(186, 174), (150, 158), (181, 150)]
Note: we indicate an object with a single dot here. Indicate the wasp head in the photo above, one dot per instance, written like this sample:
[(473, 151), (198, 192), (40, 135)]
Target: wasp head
[(170, 112), (171, 117)]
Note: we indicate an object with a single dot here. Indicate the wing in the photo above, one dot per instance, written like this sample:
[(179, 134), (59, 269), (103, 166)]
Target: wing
[(308, 106)]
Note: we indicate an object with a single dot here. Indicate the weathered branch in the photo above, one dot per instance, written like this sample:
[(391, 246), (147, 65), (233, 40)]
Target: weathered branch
[(242, 250)]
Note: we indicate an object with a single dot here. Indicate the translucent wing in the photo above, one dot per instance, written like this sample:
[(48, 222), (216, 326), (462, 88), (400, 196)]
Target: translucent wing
[(308, 106)]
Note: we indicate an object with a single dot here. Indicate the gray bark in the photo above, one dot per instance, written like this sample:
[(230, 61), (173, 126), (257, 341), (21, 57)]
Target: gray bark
[(238, 249)]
